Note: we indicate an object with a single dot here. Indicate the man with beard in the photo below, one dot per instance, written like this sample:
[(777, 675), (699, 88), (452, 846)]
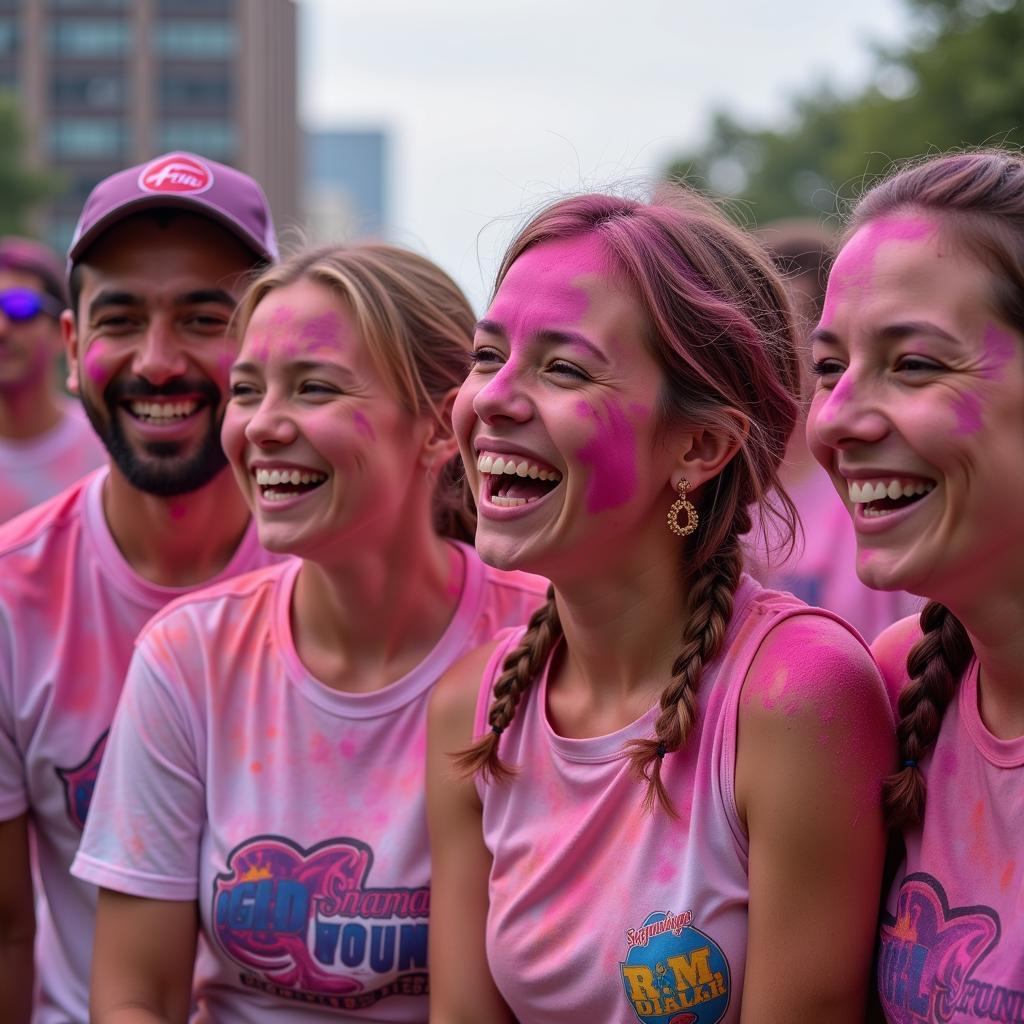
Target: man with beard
[(160, 257), (43, 444)]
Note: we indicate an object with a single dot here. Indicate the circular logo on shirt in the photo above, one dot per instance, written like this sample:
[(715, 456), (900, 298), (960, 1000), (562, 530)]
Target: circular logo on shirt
[(177, 175), (674, 973)]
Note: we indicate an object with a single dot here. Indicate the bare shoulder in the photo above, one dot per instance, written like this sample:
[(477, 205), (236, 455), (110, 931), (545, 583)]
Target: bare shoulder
[(811, 665), (891, 648)]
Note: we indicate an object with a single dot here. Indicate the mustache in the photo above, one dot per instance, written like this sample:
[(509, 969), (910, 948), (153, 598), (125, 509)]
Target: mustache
[(119, 391)]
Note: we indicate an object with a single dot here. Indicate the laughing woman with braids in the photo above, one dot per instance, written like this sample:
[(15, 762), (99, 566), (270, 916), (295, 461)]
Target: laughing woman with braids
[(920, 357), (667, 805)]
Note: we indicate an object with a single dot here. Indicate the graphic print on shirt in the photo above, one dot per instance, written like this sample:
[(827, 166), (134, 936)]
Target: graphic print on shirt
[(931, 965), (674, 973), (305, 925), (80, 781)]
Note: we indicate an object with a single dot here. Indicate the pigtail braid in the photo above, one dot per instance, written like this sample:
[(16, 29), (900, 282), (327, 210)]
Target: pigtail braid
[(711, 605), (935, 665), (521, 667)]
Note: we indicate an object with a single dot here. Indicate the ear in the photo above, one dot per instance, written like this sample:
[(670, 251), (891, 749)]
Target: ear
[(440, 444), (706, 451), (69, 337)]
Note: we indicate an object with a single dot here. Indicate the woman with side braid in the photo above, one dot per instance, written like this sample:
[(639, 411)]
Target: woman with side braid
[(919, 416), (668, 801)]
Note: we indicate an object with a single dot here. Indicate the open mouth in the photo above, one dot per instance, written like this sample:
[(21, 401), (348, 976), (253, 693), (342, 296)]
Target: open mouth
[(510, 480), (162, 412), (883, 497), (282, 484)]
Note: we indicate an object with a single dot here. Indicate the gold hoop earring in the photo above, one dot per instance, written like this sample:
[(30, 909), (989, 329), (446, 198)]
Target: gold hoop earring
[(681, 504)]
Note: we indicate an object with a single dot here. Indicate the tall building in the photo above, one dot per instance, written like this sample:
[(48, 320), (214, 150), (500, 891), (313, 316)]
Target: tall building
[(107, 83), (345, 184)]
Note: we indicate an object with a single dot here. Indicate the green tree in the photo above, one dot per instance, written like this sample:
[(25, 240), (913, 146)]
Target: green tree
[(21, 188), (958, 83)]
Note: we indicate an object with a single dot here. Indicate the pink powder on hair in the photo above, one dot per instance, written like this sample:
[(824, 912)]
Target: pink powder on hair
[(611, 455), (856, 262)]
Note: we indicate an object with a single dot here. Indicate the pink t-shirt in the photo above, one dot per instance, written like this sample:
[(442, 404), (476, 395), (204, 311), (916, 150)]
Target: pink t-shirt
[(32, 471), (953, 933), (598, 910), (294, 813), (823, 570), (70, 609)]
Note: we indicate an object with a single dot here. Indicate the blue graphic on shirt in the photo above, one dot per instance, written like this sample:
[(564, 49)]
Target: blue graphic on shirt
[(80, 781), (305, 925), (674, 973)]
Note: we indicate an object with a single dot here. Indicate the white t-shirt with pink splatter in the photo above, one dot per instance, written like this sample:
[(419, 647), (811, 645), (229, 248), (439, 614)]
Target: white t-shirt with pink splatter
[(292, 812), (32, 471), (600, 911), (953, 933), (70, 609)]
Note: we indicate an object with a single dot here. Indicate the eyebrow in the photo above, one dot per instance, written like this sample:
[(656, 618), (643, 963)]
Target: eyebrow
[(198, 297), (550, 337), (891, 332), (297, 366)]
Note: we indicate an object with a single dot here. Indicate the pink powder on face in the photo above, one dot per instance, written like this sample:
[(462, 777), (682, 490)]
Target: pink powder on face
[(326, 331), (999, 347), (611, 455), (95, 356), (836, 400), (542, 289), (363, 426), (968, 413), (855, 264)]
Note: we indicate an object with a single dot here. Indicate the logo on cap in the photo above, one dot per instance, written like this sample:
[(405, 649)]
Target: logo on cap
[(180, 175)]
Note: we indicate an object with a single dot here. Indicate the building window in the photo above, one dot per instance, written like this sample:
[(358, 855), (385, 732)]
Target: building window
[(175, 7), (82, 89), (88, 138), (90, 37), (213, 138), (179, 91), (196, 40), (92, 5)]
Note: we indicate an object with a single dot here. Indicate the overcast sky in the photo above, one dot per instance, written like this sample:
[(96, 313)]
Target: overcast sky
[(496, 105)]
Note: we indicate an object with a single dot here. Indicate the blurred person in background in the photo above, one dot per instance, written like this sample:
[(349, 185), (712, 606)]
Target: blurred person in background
[(45, 442), (822, 568), (162, 254)]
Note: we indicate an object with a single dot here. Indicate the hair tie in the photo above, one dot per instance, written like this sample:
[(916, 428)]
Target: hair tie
[(497, 729), (910, 764), (661, 751)]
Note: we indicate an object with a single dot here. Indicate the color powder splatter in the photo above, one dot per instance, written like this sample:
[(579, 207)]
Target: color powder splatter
[(611, 455), (363, 426)]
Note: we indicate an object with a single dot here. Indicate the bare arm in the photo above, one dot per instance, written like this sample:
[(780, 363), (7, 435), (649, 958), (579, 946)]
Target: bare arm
[(461, 988), (17, 921), (815, 742), (142, 961)]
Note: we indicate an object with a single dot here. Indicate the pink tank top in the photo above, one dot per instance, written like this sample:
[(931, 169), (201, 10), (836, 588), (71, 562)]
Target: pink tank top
[(598, 911), (953, 935)]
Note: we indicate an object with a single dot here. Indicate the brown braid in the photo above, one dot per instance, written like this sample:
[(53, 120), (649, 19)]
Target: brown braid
[(521, 667), (711, 604), (935, 665)]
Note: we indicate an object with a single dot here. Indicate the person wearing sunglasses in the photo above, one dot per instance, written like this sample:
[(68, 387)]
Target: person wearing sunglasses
[(45, 443)]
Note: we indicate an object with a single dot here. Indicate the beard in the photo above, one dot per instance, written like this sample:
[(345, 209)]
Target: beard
[(159, 467)]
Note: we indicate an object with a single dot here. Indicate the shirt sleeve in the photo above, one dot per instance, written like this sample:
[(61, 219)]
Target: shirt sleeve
[(13, 787), (145, 823)]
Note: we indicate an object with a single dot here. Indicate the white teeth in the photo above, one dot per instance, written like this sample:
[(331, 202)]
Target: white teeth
[(509, 502), (863, 491), (163, 410), (497, 465), (271, 477)]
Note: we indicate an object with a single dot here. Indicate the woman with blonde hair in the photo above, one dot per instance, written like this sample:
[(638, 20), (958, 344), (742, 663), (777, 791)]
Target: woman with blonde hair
[(263, 792)]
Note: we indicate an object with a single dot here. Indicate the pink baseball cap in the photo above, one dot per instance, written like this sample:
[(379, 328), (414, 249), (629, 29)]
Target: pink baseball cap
[(186, 181)]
